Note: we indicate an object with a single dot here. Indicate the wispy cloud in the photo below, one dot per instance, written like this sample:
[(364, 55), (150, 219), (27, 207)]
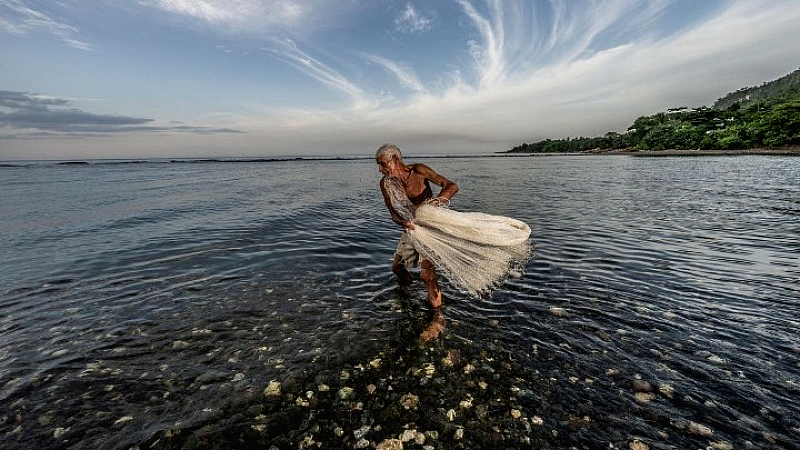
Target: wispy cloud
[(287, 50), (258, 17), (514, 39), (402, 72), (234, 12), (412, 21), (19, 18), (45, 116)]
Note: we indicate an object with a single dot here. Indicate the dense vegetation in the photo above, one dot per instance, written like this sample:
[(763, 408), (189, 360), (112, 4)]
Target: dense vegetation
[(765, 116), (766, 91)]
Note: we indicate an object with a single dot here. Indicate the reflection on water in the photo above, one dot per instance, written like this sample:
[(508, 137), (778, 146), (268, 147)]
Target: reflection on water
[(662, 295)]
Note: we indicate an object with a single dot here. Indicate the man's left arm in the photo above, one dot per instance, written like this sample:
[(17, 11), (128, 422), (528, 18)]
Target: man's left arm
[(449, 188)]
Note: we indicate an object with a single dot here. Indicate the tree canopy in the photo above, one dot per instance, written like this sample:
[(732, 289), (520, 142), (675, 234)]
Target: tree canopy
[(768, 121)]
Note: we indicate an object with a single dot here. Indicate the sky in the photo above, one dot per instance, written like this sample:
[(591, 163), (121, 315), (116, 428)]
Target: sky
[(84, 79)]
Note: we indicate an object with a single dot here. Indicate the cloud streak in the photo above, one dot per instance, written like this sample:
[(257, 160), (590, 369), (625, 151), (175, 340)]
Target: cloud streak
[(17, 18), (287, 50), (403, 73), (239, 13), (41, 116), (266, 18)]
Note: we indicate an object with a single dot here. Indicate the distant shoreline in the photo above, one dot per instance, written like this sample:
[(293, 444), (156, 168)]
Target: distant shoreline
[(795, 151), (784, 151)]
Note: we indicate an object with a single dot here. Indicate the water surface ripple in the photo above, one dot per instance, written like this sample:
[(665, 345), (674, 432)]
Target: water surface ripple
[(139, 297)]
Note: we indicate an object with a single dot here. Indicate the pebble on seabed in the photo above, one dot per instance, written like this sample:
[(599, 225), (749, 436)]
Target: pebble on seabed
[(390, 444), (693, 428), (273, 389), (345, 393), (642, 386), (638, 445), (409, 401), (380, 397)]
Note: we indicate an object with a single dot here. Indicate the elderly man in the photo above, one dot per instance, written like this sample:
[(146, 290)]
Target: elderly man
[(415, 180)]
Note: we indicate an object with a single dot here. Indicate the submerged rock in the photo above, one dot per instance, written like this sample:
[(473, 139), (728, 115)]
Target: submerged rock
[(212, 376), (390, 444), (180, 345), (273, 389), (694, 428), (409, 401), (642, 386), (638, 445), (412, 435), (361, 432), (345, 393)]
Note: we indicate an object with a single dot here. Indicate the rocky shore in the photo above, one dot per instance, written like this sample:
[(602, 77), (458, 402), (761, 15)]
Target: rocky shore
[(447, 394), (432, 398)]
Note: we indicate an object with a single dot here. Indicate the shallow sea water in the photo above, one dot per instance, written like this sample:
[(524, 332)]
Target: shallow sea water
[(137, 297)]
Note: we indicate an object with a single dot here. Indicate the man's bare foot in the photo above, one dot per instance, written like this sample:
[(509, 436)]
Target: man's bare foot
[(435, 328)]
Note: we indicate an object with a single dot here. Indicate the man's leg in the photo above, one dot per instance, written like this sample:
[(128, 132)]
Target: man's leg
[(428, 275), (399, 269)]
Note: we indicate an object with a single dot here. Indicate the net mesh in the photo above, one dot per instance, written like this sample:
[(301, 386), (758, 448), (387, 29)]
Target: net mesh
[(474, 250)]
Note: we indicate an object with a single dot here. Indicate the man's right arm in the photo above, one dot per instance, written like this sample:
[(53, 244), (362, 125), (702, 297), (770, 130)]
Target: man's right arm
[(392, 212)]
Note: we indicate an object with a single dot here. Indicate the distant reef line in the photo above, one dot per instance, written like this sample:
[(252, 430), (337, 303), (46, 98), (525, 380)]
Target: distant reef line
[(782, 151)]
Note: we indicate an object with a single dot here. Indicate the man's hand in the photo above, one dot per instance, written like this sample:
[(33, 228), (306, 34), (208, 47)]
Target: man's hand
[(438, 201), (408, 225)]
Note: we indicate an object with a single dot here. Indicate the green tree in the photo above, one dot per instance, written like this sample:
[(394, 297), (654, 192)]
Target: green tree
[(780, 125)]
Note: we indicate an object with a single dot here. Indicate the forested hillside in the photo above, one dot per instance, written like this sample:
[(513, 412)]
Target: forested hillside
[(766, 116), (785, 86)]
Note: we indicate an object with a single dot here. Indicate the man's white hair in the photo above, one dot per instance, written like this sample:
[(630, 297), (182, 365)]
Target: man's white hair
[(390, 151)]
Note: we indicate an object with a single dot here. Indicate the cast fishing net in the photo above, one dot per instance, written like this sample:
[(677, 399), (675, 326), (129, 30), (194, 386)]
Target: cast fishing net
[(474, 250)]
